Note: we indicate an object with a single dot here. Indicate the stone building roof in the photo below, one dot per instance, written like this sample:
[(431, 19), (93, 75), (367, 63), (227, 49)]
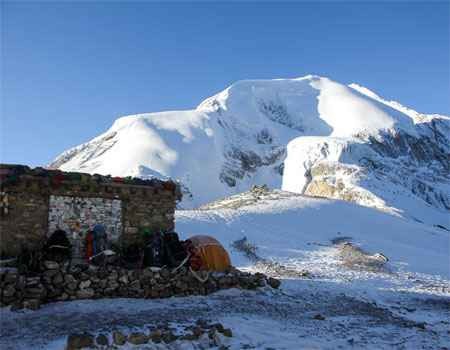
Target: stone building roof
[(11, 174)]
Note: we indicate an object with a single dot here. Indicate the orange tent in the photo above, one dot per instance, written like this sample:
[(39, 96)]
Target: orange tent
[(213, 255)]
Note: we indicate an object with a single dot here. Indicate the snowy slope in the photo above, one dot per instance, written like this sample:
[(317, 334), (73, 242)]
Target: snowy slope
[(340, 142), (299, 233), (298, 230)]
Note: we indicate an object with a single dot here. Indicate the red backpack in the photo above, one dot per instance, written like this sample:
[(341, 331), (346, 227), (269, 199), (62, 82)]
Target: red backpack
[(89, 245)]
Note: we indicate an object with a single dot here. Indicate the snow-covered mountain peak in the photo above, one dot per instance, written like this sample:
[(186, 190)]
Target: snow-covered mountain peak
[(344, 142), (316, 101)]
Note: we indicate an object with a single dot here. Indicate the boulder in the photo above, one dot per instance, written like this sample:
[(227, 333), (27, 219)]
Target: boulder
[(37, 292), (79, 341), (156, 336), (32, 304), (21, 282), (273, 282), (102, 340), (58, 279), (135, 285), (189, 337), (50, 273), (102, 283), (119, 338), (51, 265), (32, 281), (85, 284), (69, 279), (53, 292), (72, 286), (113, 276), (219, 327), (137, 338), (84, 276), (169, 337), (86, 293), (214, 337), (92, 270), (197, 332), (123, 279), (227, 332), (109, 291), (113, 284), (9, 291), (63, 297), (10, 277), (201, 323)]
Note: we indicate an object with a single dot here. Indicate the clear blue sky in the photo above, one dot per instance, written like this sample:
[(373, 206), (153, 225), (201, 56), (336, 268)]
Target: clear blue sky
[(70, 69)]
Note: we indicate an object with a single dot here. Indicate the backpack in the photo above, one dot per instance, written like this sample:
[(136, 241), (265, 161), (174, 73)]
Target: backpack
[(99, 235), (175, 251), (154, 254), (131, 256), (195, 260), (58, 247), (89, 244)]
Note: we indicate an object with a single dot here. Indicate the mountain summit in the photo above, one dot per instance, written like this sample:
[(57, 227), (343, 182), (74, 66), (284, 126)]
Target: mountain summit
[(308, 135)]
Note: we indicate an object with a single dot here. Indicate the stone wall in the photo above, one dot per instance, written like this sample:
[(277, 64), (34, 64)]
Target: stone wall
[(34, 202), (58, 283)]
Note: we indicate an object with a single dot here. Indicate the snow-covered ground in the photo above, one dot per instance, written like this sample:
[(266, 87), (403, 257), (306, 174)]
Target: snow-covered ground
[(403, 305)]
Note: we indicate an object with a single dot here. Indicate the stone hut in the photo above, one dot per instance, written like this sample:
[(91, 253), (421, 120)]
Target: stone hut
[(35, 202)]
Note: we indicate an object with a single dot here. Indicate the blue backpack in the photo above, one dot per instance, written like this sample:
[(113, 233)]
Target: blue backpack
[(100, 239)]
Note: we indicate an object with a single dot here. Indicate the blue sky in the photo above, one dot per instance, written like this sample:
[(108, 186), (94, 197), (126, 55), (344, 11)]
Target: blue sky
[(70, 69)]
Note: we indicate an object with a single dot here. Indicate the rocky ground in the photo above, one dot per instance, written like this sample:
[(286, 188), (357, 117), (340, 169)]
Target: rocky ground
[(306, 312), (314, 314)]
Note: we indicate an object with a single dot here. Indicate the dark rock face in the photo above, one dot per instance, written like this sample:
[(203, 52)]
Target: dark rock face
[(241, 163), (278, 113), (430, 145), (388, 170), (91, 282), (430, 151)]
